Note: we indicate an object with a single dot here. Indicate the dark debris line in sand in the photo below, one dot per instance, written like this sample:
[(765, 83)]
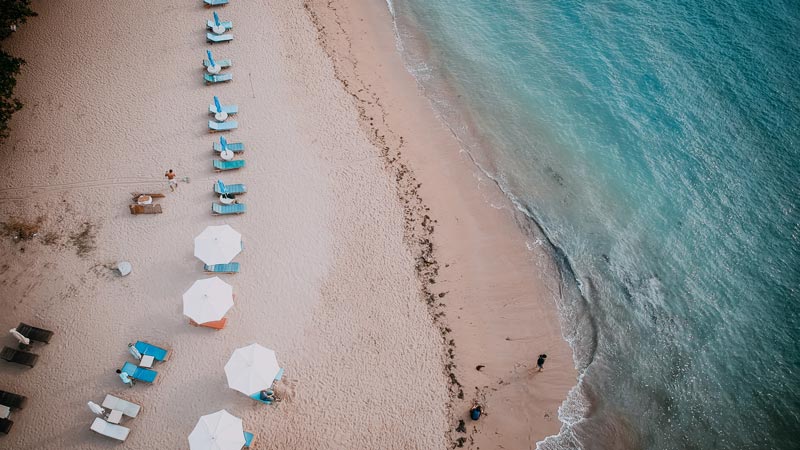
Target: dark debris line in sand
[(419, 226)]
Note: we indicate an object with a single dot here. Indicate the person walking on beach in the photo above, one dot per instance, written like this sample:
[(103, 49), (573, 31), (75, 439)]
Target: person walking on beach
[(540, 362), (125, 378), (173, 183)]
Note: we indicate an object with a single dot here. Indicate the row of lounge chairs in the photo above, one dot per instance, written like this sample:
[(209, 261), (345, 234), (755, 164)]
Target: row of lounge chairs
[(8, 400)]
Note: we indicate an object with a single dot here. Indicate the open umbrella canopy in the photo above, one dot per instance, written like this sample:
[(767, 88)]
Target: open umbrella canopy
[(218, 244), (251, 369), (218, 431), (207, 300)]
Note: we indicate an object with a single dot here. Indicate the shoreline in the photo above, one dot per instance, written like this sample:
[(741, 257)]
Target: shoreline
[(463, 206)]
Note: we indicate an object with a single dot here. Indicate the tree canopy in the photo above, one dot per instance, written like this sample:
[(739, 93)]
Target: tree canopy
[(12, 14)]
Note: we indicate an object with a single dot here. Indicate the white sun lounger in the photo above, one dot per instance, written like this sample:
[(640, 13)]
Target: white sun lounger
[(117, 432), (127, 408)]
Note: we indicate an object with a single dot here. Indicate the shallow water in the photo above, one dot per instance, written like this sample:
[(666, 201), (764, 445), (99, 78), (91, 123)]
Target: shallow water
[(657, 146)]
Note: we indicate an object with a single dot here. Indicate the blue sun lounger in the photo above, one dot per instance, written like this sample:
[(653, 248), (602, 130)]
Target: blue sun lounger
[(221, 63), (235, 147), (158, 353), (248, 439), (221, 78), (222, 126), (222, 268), (220, 209), (209, 3), (217, 38), (227, 24), (228, 109), (257, 397), (219, 166), (140, 373), (235, 189)]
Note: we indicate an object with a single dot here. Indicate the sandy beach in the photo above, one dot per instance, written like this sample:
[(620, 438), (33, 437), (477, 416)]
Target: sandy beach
[(378, 263)]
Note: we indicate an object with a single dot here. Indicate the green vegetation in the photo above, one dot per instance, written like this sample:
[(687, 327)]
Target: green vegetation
[(12, 14)]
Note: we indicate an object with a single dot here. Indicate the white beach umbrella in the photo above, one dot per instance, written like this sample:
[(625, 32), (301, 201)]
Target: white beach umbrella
[(218, 244), (218, 431), (207, 300), (251, 369)]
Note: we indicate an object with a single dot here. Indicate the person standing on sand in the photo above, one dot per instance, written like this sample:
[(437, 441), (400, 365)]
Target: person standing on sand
[(173, 183), (540, 362)]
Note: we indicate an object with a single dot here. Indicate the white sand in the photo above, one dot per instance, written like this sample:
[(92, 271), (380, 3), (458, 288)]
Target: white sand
[(114, 97)]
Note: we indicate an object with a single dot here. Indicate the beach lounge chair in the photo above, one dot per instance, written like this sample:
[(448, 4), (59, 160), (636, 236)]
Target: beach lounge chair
[(249, 438), (220, 165), (217, 38), (235, 147), (145, 209), (221, 63), (257, 397), (279, 375), (228, 109), (215, 324), (227, 25), (13, 401), (19, 356), (125, 407), (235, 189), (5, 426), (140, 373), (220, 209), (34, 333), (210, 3), (158, 353), (222, 126), (117, 432), (221, 78), (222, 268)]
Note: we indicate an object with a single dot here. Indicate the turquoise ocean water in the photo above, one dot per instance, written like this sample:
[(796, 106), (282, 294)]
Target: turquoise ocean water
[(657, 145)]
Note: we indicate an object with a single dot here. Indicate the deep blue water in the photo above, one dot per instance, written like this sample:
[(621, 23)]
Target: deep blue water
[(657, 145)]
